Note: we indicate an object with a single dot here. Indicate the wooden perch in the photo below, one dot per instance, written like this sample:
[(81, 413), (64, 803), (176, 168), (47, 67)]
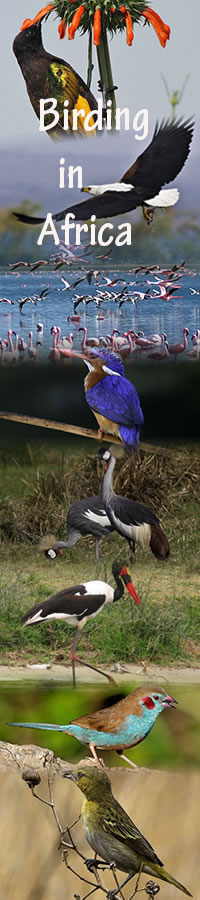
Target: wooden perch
[(29, 760), (59, 426), (76, 429)]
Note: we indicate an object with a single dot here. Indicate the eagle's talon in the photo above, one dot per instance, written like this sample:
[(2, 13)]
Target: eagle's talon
[(148, 214)]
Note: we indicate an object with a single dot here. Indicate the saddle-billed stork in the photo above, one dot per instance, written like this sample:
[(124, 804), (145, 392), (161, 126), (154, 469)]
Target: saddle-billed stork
[(76, 604), (133, 520)]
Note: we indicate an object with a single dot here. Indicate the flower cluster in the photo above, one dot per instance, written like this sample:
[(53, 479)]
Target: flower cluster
[(103, 15)]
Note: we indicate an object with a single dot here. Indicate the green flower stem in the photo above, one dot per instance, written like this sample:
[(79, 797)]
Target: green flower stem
[(105, 72), (90, 65)]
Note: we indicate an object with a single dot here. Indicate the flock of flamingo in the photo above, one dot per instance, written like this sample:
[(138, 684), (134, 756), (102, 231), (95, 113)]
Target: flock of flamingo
[(130, 343), (127, 345)]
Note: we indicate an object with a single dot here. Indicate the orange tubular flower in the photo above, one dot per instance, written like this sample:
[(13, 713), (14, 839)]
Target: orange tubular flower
[(43, 12), (97, 27), (62, 29), (129, 29), (75, 22), (162, 30), (26, 23)]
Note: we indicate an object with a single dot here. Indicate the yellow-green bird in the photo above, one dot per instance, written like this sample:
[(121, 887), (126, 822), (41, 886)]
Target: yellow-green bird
[(111, 833)]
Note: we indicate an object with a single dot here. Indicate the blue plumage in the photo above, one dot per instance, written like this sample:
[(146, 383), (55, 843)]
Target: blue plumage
[(116, 398)]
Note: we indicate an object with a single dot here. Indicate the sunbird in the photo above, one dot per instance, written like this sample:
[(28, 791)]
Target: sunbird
[(112, 834), (48, 76)]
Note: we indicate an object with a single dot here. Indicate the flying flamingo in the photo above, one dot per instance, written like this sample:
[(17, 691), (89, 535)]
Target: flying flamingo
[(175, 349), (6, 300), (165, 293)]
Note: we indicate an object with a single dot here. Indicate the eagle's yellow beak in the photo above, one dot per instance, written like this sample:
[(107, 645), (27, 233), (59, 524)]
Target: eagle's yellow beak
[(86, 189)]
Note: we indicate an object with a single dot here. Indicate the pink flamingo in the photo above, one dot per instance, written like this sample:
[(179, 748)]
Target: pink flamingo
[(165, 293), (195, 352), (118, 343), (33, 351), (11, 355), (54, 355), (22, 347), (67, 343), (141, 341), (130, 346), (88, 342), (175, 349), (161, 353), (6, 300), (73, 318)]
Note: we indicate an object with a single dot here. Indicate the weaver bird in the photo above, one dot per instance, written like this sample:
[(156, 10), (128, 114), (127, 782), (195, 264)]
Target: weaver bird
[(112, 834)]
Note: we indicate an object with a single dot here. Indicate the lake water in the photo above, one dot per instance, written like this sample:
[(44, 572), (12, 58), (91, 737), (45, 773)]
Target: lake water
[(151, 315)]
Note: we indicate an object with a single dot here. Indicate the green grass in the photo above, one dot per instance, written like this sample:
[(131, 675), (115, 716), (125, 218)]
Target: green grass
[(37, 487)]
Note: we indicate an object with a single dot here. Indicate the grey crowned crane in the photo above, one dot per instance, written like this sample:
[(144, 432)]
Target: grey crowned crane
[(76, 604), (87, 516), (132, 520)]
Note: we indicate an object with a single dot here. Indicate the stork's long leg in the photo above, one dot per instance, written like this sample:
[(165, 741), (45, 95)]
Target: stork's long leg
[(82, 662), (73, 651)]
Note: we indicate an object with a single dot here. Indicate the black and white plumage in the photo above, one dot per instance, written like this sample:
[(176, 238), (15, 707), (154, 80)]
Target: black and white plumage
[(141, 185), (76, 604), (132, 520), (87, 516)]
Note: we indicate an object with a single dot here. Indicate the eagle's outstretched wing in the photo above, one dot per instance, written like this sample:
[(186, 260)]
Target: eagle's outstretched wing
[(162, 160), (159, 164)]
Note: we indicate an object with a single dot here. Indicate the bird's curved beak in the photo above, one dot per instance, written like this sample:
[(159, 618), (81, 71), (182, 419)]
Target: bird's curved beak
[(125, 574), (85, 189), (170, 701)]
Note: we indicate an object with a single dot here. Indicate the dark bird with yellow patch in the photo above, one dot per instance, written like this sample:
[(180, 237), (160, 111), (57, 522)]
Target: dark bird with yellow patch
[(48, 76)]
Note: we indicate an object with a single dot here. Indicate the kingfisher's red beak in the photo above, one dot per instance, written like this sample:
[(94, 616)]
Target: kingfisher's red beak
[(125, 574)]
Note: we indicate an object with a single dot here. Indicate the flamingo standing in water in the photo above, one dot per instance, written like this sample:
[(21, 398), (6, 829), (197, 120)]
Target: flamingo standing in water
[(11, 356), (54, 355), (195, 352), (175, 349), (67, 342), (33, 351), (88, 342)]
